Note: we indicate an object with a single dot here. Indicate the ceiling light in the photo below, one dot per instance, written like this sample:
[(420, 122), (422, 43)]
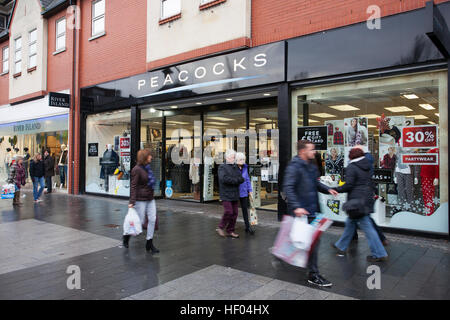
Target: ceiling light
[(216, 123), (410, 96), (173, 107), (229, 99), (323, 115), (437, 114), (262, 120), (371, 126), (152, 110), (312, 121), (398, 109), (266, 94), (369, 116), (177, 122), (219, 118), (427, 106), (431, 122), (198, 103), (419, 117), (344, 107)]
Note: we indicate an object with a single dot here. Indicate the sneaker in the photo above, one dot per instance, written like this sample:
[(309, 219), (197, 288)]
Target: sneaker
[(339, 252), (220, 232), (318, 280), (375, 259), (39, 200)]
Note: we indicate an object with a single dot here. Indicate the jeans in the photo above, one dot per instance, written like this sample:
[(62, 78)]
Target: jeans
[(377, 229), (375, 245), (48, 183), (36, 183), (62, 174), (244, 207), (147, 208), (229, 216)]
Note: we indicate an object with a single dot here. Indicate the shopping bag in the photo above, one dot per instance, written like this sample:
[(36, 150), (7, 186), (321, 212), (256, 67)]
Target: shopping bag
[(8, 191), (253, 215), (301, 233), (132, 224)]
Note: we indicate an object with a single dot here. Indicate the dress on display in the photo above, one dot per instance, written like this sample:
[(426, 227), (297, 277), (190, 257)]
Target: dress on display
[(427, 174)]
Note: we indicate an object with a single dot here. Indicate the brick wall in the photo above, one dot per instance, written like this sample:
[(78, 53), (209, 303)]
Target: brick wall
[(122, 51), (4, 79), (274, 20)]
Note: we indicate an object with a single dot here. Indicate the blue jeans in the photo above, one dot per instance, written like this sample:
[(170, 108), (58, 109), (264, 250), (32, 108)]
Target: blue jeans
[(62, 174), (375, 245), (36, 183)]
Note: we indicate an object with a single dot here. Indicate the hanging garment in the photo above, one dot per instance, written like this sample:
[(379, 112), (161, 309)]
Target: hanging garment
[(405, 187), (338, 138), (427, 175), (330, 129)]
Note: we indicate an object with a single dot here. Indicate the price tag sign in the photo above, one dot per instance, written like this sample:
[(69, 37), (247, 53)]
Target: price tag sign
[(420, 137)]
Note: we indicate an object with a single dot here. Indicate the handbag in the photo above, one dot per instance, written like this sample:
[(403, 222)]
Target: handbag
[(355, 208), (253, 215)]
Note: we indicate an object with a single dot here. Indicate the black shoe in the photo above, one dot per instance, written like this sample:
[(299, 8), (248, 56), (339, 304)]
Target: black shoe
[(375, 259), (339, 252), (250, 230), (149, 246), (318, 280), (126, 239)]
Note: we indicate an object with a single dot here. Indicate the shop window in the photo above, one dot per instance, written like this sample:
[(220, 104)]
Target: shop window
[(60, 34), (17, 55), (396, 120), (108, 153), (5, 59), (98, 17), (170, 8), (32, 52)]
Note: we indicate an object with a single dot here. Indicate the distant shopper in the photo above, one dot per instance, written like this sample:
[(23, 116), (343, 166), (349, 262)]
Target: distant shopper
[(49, 165), (245, 190), (360, 201), (17, 177), (26, 161), (8, 160), (230, 178), (142, 196), (301, 186), (37, 173)]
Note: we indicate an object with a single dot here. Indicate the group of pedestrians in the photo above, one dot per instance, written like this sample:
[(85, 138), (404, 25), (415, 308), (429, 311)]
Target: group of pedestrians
[(41, 172), (301, 187)]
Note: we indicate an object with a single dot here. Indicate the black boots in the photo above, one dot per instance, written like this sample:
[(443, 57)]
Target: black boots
[(250, 230), (149, 246), (126, 239)]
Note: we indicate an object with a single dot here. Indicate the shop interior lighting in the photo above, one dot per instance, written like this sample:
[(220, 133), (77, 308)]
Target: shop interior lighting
[(426, 106), (344, 107), (216, 123), (177, 122), (369, 116), (323, 115), (152, 110), (173, 107), (419, 117), (266, 94), (437, 114), (219, 118), (398, 109), (410, 96), (371, 126), (198, 103), (431, 122), (229, 99), (262, 120)]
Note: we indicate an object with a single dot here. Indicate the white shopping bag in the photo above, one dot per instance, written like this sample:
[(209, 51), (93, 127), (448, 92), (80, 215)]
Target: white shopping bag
[(253, 215), (132, 224), (301, 233)]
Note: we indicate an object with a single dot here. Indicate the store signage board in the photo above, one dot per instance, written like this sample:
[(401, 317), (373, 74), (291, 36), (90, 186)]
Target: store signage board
[(246, 68), (437, 29), (421, 159), (61, 100), (420, 136), (382, 176), (317, 135), (92, 149)]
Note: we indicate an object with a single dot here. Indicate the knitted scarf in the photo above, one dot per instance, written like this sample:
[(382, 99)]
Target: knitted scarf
[(151, 177)]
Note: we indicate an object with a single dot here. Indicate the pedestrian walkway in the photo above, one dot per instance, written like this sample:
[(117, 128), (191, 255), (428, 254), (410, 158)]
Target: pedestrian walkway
[(40, 241)]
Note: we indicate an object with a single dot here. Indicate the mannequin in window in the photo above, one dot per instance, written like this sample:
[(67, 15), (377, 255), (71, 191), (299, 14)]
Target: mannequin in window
[(26, 161), (404, 180), (109, 163), (194, 175), (62, 165), (8, 160), (429, 175)]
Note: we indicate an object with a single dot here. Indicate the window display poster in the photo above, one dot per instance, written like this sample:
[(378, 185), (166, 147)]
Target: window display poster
[(116, 143), (356, 132), (208, 181), (317, 135), (92, 149), (256, 187), (335, 132), (334, 162), (420, 136)]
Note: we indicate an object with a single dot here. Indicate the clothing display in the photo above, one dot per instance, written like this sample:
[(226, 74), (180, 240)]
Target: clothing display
[(109, 163), (389, 162), (330, 129), (334, 166), (405, 187), (338, 138), (428, 174)]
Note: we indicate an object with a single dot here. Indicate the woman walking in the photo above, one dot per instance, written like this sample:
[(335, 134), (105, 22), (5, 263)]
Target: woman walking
[(18, 178), (359, 185), (245, 190), (37, 173), (141, 196), (230, 178)]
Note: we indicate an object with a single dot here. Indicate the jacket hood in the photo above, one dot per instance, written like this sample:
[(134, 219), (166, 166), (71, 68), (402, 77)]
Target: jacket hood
[(363, 164)]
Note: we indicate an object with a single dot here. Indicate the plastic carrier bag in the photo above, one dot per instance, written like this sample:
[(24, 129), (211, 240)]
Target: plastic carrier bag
[(132, 224)]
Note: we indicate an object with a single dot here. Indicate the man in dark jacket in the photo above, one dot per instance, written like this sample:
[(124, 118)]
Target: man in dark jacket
[(230, 178), (49, 166), (301, 184)]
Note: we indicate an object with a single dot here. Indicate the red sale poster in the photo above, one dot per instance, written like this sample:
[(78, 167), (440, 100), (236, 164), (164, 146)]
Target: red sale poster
[(420, 136), (125, 143)]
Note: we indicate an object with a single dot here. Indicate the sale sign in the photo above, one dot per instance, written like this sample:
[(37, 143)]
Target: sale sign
[(421, 159), (124, 143), (420, 136)]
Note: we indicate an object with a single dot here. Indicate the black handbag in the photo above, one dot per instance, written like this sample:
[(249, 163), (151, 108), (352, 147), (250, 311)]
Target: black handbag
[(355, 208)]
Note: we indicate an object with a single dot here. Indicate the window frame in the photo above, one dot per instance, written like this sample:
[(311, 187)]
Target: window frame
[(15, 55), (30, 43), (94, 18), (162, 17), (58, 36), (5, 50)]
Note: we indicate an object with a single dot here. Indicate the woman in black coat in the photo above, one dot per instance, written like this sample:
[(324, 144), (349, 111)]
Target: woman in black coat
[(360, 201), (37, 173)]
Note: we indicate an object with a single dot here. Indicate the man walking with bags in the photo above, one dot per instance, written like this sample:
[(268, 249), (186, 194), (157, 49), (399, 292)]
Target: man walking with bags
[(301, 186)]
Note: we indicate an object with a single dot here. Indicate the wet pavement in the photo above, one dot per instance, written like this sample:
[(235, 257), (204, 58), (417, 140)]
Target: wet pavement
[(38, 242)]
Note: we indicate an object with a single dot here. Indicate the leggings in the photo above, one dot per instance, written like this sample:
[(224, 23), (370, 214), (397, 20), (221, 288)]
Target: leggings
[(244, 207)]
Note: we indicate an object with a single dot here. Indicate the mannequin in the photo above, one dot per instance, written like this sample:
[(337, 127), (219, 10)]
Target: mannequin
[(109, 163), (429, 175), (404, 180), (194, 175), (62, 165), (8, 159)]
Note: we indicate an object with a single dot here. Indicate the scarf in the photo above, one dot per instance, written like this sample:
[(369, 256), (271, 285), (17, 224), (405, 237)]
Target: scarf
[(151, 177)]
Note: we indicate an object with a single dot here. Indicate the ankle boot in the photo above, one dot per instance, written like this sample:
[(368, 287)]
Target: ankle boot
[(16, 200), (126, 239), (149, 246)]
